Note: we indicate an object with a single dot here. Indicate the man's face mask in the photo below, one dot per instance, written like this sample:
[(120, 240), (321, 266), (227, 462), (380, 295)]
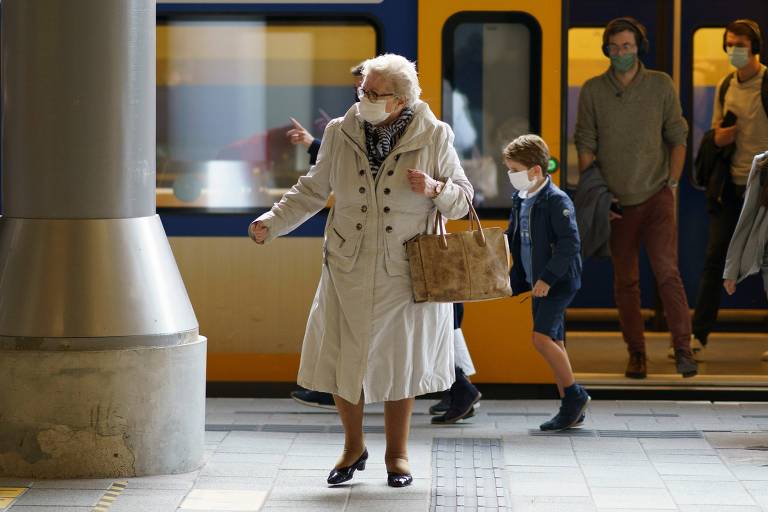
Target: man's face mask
[(738, 56), (623, 63)]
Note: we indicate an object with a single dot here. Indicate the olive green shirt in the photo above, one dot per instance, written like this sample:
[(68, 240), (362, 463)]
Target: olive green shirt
[(630, 130)]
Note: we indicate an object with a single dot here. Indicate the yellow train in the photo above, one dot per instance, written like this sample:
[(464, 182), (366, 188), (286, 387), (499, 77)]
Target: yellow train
[(230, 75)]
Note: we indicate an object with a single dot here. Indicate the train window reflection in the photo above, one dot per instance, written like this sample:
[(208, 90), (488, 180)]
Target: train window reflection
[(225, 91), (709, 67), (491, 88), (585, 60)]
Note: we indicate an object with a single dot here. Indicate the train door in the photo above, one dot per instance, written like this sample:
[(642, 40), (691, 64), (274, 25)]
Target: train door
[(492, 69), (703, 65), (587, 18)]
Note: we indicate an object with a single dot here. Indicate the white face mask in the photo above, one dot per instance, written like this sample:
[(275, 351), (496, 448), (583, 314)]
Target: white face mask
[(520, 180), (373, 112)]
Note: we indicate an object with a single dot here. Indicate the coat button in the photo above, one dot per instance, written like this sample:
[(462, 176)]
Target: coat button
[(362, 190), (386, 209), (359, 226), (388, 229), (362, 172), (364, 208), (390, 173), (387, 191)]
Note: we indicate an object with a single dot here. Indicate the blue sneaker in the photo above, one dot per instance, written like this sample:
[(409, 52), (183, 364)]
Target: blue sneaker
[(314, 398), (571, 414)]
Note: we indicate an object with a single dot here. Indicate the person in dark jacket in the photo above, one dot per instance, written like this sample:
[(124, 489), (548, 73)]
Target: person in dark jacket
[(300, 135), (545, 246)]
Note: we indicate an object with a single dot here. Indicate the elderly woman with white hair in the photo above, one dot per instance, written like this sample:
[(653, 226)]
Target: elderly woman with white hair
[(390, 164)]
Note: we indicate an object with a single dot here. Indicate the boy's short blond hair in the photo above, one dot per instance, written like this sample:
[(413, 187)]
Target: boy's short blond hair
[(529, 150)]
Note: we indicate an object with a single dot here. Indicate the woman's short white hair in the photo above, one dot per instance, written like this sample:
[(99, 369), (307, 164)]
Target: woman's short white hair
[(398, 70)]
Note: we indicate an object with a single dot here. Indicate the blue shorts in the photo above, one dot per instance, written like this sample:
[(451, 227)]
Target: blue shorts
[(549, 311)]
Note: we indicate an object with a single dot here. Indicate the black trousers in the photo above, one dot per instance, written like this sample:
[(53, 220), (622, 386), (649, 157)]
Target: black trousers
[(722, 223), (458, 314)]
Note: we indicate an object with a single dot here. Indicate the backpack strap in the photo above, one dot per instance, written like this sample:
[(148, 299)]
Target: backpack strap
[(764, 92), (724, 89)]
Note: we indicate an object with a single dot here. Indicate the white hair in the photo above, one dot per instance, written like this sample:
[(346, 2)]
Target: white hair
[(400, 72)]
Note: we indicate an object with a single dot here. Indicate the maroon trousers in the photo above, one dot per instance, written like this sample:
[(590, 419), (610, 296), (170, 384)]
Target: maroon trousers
[(652, 224)]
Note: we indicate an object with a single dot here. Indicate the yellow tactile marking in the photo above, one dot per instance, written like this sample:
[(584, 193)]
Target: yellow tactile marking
[(109, 497), (9, 494)]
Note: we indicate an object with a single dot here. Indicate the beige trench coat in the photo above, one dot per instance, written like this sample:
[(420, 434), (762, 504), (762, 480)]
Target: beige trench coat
[(364, 332)]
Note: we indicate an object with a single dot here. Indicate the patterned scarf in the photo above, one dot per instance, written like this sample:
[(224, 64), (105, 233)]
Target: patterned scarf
[(379, 140)]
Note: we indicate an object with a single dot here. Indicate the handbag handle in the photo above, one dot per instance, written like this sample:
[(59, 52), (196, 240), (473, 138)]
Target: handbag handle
[(474, 221)]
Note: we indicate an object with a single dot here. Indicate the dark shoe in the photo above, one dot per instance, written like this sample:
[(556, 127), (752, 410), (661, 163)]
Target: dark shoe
[(399, 479), (314, 398), (703, 339), (636, 367), (580, 421), (443, 405), (685, 364), (341, 475), (440, 420), (572, 408), (464, 395)]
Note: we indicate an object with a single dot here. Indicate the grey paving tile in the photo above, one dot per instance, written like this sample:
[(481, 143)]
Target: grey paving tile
[(147, 500), (622, 476), (241, 469), (338, 494), (63, 497), (234, 483), (401, 505), (709, 493), (305, 506), (710, 470), (718, 508), (93, 484), (625, 497), (551, 504), (750, 473), (36, 508), (163, 482), (253, 458)]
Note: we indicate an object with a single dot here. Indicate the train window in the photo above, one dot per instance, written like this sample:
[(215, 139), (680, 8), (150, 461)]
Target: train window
[(491, 93), (225, 91), (710, 65), (585, 60)]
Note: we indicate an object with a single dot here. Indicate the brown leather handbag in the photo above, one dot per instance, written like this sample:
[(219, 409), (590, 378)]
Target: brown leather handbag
[(459, 267)]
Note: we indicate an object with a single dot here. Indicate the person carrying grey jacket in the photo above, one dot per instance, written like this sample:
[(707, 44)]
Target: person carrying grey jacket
[(748, 250), (592, 202)]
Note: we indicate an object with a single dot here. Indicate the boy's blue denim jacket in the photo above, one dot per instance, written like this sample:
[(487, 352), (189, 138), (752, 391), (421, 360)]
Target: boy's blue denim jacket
[(556, 247)]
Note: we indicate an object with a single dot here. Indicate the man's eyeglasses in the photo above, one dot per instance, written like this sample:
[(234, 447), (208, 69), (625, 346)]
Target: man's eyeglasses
[(613, 49), (371, 95)]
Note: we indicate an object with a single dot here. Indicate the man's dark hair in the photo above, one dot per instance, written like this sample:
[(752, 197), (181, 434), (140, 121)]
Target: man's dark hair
[(622, 24), (747, 28)]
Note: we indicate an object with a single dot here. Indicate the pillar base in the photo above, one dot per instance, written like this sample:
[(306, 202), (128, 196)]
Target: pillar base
[(102, 414)]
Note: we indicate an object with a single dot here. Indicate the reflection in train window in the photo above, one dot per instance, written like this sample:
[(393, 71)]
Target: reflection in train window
[(585, 60), (225, 90), (491, 91), (710, 65)]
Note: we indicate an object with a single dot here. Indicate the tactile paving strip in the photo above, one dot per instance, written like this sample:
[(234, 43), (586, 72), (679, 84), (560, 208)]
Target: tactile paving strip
[(467, 474), (637, 434)]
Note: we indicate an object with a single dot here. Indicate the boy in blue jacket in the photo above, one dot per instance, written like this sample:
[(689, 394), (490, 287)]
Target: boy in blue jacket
[(546, 255)]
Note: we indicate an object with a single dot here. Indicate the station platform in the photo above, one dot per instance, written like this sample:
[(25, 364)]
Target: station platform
[(274, 455)]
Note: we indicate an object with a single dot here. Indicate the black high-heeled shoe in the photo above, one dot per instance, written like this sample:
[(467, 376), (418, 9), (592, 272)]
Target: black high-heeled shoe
[(341, 475), (399, 479)]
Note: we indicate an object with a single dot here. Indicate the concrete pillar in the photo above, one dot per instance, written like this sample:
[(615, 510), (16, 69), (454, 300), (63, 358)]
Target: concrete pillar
[(102, 369)]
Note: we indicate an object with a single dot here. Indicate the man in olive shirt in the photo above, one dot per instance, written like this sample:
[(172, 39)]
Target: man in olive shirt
[(630, 122)]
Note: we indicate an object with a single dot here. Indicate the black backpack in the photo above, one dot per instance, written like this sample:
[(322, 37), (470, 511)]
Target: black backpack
[(713, 164)]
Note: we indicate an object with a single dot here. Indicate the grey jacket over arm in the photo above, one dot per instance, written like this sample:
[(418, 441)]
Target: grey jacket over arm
[(747, 247), (592, 201)]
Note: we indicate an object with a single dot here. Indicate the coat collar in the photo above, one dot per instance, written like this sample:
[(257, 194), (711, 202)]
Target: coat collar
[(419, 133)]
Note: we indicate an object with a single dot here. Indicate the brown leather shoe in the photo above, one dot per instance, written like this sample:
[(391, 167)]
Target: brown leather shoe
[(636, 368)]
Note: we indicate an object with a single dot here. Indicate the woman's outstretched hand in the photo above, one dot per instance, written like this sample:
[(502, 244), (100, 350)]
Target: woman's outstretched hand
[(258, 232)]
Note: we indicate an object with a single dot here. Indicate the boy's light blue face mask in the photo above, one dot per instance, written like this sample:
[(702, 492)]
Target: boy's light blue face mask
[(738, 56)]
